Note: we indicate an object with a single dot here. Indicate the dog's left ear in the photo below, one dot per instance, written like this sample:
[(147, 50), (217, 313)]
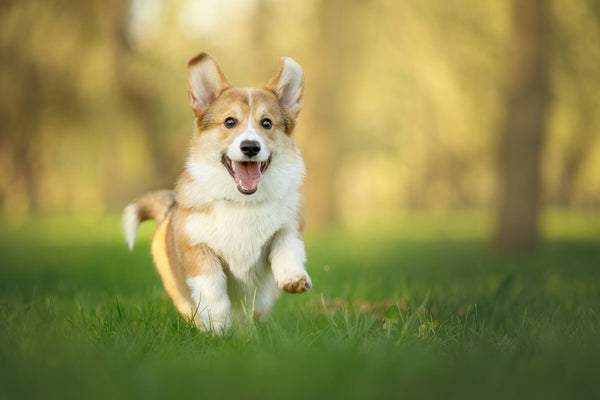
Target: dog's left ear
[(288, 86)]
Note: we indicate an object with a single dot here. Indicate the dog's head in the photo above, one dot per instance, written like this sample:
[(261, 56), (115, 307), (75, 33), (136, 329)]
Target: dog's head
[(243, 145)]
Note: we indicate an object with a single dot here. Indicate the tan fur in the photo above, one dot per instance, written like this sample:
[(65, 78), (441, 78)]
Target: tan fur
[(167, 261), (155, 205), (176, 260)]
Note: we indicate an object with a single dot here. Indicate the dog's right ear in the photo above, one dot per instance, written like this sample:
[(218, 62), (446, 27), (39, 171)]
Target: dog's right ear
[(205, 82)]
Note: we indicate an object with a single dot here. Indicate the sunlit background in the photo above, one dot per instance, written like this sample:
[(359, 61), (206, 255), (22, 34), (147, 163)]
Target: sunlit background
[(453, 196), (404, 101)]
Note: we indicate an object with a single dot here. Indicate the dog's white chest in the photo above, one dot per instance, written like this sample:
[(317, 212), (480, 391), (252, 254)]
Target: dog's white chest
[(238, 233)]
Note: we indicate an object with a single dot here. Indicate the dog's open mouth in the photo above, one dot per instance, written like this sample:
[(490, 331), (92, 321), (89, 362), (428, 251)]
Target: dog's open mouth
[(247, 174)]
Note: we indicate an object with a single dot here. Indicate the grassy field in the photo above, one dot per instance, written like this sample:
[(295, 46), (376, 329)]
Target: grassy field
[(419, 307)]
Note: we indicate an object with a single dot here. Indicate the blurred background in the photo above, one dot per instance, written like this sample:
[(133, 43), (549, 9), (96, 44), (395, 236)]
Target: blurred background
[(409, 105)]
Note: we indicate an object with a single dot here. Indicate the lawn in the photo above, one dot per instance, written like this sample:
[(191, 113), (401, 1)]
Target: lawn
[(415, 307)]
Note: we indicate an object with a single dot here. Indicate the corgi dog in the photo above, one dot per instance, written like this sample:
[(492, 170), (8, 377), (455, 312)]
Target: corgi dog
[(231, 234)]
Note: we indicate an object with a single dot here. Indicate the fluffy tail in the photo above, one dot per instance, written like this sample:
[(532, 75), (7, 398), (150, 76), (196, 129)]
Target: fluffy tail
[(153, 205)]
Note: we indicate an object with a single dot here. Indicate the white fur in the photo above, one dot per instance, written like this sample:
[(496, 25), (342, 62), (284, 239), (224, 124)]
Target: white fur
[(130, 224), (234, 151), (242, 229), (290, 84), (255, 236), (242, 233), (288, 257), (209, 293), (238, 233), (243, 236)]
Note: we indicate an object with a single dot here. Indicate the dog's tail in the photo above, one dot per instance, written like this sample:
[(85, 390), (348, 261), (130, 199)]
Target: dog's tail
[(153, 205)]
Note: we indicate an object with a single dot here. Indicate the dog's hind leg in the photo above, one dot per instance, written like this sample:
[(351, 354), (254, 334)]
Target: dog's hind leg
[(169, 268)]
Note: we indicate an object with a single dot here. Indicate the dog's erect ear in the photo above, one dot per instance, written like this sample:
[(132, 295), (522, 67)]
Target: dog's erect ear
[(288, 85), (205, 82)]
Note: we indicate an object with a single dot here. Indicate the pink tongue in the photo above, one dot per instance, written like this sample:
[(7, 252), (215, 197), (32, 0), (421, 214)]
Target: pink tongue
[(247, 174)]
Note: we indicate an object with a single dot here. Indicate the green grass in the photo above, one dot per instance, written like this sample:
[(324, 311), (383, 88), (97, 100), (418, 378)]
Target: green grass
[(81, 317)]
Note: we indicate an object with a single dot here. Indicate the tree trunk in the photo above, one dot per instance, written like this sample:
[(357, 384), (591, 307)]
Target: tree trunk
[(523, 127), (136, 90), (323, 98)]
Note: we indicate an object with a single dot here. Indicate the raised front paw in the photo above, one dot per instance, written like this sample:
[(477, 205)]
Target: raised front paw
[(299, 283)]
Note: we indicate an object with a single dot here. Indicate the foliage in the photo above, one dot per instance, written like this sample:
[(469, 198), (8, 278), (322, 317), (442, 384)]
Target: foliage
[(402, 109)]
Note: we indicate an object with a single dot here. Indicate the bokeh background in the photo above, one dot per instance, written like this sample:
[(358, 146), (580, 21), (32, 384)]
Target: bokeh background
[(436, 134), (409, 105)]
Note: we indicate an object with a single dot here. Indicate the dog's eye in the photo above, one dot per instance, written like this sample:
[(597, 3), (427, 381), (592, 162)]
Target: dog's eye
[(266, 123), (230, 123)]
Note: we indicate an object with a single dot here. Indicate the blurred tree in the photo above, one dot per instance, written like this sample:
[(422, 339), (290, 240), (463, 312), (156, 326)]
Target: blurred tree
[(402, 104), (327, 130), (573, 139), (35, 87), (136, 89), (524, 126)]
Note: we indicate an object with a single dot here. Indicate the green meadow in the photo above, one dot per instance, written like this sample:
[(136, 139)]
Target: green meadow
[(421, 306)]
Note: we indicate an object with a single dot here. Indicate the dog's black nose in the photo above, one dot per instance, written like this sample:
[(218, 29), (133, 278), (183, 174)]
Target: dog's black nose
[(250, 148)]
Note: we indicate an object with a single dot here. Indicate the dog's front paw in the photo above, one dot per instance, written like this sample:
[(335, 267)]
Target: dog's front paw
[(299, 283), (217, 328)]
